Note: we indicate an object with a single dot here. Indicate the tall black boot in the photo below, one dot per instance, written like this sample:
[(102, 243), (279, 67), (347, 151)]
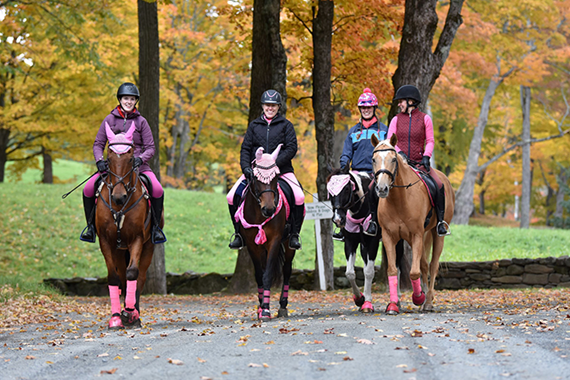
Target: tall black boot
[(88, 234), (372, 229), (156, 235), (298, 217), (237, 242), (442, 226)]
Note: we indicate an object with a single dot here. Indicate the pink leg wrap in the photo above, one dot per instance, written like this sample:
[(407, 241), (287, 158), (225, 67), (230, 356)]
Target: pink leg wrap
[(393, 283), (260, 293), (266, 296), (115, 299), (131, 297), (286, 291), (416, 286)]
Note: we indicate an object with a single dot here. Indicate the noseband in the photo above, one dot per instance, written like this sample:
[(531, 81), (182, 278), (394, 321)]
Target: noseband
[(384, 171)]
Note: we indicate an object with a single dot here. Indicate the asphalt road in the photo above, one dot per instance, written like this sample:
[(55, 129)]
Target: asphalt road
[(209, 338)]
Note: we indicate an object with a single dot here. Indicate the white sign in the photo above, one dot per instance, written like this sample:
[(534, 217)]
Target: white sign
[(318, 210)]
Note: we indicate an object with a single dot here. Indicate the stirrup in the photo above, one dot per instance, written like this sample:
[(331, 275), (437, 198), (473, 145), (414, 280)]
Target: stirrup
[(369, 226), (85, 236), (447, 230), (338, 235), (237, 242), (295, 246), (157, 236)]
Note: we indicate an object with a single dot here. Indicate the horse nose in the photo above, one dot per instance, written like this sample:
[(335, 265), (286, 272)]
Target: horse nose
[(338, 220), (119, 200), (382, 191), (267, 212)]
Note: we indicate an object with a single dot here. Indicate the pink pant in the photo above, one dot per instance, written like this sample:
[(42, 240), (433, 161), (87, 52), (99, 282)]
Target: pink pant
[(157, 191), (288, 177)]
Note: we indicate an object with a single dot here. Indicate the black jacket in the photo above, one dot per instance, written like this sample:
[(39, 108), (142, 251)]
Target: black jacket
[(260, 134)]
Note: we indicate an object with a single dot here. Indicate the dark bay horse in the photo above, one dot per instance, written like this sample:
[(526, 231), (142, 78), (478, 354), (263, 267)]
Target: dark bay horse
[(403, 212), (123, 225), (263, 217)]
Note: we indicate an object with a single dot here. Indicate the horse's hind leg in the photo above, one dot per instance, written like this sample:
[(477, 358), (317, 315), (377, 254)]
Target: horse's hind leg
[(287, 269), (369, 249), (350, 253)]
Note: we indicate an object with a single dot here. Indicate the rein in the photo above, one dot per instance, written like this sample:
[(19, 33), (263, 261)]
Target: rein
[(389, 173)]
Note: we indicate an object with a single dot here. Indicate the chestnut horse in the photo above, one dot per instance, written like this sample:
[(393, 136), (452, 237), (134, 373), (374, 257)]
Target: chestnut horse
[(263, 217), (403, 210), (123, 225)]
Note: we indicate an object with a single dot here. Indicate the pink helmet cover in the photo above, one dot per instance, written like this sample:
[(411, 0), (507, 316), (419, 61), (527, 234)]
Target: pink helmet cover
[(367, 99)]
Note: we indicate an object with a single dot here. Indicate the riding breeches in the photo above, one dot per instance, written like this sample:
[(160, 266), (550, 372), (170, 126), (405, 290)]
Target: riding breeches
[(237, 190), (157, 190)]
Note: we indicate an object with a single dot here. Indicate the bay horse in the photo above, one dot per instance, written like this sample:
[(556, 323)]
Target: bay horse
[(123, 225), (406, 212), (351, 196), (263, 215)]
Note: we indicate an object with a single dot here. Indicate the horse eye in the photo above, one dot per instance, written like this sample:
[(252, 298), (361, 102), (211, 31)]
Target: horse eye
[(394, 159)]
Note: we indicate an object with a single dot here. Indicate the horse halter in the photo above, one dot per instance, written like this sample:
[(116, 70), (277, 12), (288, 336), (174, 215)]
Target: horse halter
[(384, 171)]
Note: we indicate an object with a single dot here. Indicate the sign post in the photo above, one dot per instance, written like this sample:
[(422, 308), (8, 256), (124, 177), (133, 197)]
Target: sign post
[(316, 211)]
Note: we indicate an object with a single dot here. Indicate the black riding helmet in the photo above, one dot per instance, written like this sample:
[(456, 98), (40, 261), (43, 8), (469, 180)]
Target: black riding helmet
[(271, 97), (128, 89), (408, 92)]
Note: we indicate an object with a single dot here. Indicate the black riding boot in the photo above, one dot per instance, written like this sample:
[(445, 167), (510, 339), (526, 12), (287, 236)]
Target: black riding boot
[(237, 243), (297, 223), (156, 235), (88, 233), (372, 229), (442, 226), (338, 235)]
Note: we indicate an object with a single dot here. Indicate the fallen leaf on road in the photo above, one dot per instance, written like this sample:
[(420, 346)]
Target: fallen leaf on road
[(364, 341), (201, 360), (410, 370), (254, 365), (340, 352), (299, 352), (347, 358), (30, 357), (471, 351), (102, 355), (499, 351), (175, 361), (109, 372), (402, 348), (402, 366)]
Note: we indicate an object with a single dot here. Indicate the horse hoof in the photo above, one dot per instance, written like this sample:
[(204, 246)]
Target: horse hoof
[(131, 318), (367, 307), (264, 315), (392, 309), (282, 313), (358, 301), (419, 299), (115, 322)]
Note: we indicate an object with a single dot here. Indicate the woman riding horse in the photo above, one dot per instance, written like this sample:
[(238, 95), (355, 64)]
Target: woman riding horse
[(120, 119), (267, 132), (357, 149)]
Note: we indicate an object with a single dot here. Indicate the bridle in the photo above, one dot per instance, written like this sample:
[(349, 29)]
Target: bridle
[(350, 203), (390, 174), (119, 216), (257, 195)]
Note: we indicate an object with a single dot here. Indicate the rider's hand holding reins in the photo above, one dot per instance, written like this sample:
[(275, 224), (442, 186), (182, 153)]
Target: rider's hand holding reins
[(137, 162), (425, 163), (248, 172), (102, 166)]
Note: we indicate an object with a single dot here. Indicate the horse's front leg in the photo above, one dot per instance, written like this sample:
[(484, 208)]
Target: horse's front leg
[(418, 296), (114, 281), (390, 246), (131, 315), (369, 250), (434, 268), (287, 269), (350, 246), (270, 270), (257, 254)]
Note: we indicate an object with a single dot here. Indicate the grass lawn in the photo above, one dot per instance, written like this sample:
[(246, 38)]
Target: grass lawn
[(39, 235)]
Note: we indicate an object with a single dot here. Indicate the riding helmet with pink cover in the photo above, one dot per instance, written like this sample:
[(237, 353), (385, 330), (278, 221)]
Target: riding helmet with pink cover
[(367, 99)]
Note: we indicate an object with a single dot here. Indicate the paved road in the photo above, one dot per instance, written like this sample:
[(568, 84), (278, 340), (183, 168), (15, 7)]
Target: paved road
[(219, 338)]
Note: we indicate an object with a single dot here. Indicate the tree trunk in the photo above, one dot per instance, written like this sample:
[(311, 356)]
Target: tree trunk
[(324, 122), (562, 179), (47, 176), (149, 85), (4, 140), (526, 174), (417, 64), (464, 196), (268, 71)]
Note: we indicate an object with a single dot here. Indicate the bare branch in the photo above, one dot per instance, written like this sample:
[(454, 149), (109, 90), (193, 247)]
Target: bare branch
[(301, 20)]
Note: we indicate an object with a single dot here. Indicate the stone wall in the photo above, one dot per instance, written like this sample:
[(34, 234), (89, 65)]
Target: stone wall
[(514, 273)]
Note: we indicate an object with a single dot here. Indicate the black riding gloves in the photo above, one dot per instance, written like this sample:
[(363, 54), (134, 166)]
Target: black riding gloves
[(404, 156), (425, 163), (102, 166), (248, 172), (137, 162)]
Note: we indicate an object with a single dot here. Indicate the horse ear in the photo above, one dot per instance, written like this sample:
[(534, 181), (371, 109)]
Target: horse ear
[(276, 152), (258, 153), (374, 140), (110, 134), (393, 140), (131, 131)]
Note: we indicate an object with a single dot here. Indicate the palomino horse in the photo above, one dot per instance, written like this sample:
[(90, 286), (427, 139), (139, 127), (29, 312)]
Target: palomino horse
[(124, 228), (405, 212), (350, 199), (263, 216)]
